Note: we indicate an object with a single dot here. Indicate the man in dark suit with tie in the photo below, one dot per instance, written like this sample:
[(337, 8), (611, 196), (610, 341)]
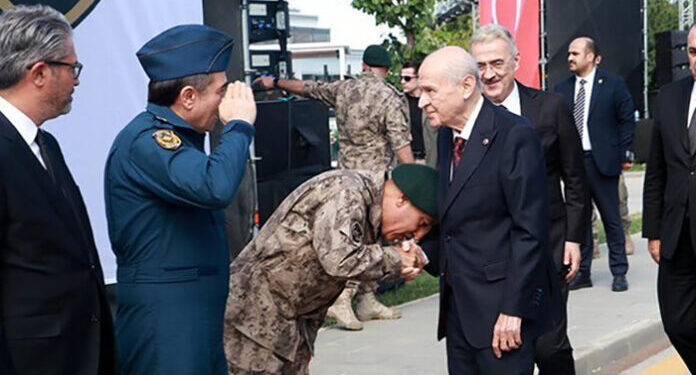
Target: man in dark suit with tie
[(669, 203), (54, 317), (497, 283), (494, 49), (603, 113)]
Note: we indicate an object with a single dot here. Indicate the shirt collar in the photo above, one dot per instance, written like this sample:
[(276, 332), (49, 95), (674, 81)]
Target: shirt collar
[(165, 114), (469, 126), (589, 78), (512, 102), (26, 128)]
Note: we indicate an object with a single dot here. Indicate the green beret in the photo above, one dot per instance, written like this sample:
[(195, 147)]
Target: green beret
[(376, 55), (419, 184)]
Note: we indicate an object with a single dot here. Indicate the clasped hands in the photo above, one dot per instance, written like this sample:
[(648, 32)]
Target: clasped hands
[(412, 260)]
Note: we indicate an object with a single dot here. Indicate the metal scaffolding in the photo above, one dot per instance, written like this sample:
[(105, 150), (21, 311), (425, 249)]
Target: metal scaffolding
[(447, 10), (686, 14)]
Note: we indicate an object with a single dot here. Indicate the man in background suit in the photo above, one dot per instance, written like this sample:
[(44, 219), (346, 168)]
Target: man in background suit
[(603, 114), (669, 202), (498, 59), (491, 252), (54, 317)]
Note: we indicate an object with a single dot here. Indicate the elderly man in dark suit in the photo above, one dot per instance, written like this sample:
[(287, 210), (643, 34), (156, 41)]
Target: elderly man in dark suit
[(54, 318), (669, 202), (498, 59), (497, 283), (603, 113)]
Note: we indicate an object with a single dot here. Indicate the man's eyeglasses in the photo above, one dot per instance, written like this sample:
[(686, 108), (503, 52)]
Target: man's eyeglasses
[(497, 66), (408, 78), (76, 67)]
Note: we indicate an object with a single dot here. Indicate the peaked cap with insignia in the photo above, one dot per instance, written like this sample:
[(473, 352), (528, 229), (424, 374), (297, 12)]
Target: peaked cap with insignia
[(185, 50)]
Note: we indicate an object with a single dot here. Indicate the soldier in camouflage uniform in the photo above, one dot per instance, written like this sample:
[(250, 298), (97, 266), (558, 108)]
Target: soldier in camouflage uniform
[(326, 232), (373, 130)]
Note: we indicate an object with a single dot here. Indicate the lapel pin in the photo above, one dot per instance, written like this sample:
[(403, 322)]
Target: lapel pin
[(485, 141), (600, 81)]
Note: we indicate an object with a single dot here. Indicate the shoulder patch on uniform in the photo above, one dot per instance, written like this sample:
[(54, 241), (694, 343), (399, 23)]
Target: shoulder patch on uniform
[(393, 88), (356, 231), (166, 139)]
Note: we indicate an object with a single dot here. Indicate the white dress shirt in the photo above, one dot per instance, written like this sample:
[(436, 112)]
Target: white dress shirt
[(24, 125), (692, 105), (465, 133), (512, 102), (589, 84)]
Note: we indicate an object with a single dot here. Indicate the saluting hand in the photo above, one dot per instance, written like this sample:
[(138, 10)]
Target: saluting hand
[(238, 104)]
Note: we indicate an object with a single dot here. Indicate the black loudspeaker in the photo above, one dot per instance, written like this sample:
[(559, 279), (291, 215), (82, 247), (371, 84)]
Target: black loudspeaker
[(641, 140), (671, 62), (615, 25), (292, 144)]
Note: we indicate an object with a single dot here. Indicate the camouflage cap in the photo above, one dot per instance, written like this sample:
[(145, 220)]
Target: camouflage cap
[(376, 55), (419, 184)]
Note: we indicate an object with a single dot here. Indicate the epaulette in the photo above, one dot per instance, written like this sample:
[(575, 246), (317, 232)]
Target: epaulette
[(397, 91)]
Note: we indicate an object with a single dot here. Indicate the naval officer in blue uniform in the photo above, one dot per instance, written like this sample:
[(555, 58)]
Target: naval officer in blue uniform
[(165, 198)]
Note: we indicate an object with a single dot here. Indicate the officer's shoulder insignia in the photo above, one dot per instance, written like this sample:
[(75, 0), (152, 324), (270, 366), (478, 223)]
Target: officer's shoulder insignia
[(394, 89), (166, 139), (356, 232)]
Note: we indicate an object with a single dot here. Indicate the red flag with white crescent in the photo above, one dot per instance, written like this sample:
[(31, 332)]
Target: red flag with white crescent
[(521, 17)]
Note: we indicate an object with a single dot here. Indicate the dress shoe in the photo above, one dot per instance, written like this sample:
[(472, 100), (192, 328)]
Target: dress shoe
[(580, 281), (619, 284)]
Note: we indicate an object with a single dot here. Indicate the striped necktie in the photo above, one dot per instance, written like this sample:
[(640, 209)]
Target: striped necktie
[(579, 110)]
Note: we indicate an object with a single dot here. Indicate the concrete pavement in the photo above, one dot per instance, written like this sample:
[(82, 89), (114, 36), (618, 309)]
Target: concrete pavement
[(603, 325)]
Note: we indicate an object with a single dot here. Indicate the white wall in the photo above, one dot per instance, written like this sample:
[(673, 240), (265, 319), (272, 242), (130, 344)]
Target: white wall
[(113, 89)]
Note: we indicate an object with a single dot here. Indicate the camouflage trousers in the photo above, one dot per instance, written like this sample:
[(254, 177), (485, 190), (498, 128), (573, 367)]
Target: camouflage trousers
[(246, 357), (362, 287)]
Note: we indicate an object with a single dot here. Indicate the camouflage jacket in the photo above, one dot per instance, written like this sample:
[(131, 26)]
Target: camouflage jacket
[(372, 118), (323, 234)]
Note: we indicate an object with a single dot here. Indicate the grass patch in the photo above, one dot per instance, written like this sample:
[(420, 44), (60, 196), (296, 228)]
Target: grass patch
[(637, 168), (423, 286)]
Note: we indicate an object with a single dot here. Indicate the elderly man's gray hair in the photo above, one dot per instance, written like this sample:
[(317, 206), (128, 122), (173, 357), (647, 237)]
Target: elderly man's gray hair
[(29, 34), (460, 65), (490, 33)]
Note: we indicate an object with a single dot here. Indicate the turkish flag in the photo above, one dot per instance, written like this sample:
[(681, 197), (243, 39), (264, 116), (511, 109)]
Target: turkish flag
[(521, 17)]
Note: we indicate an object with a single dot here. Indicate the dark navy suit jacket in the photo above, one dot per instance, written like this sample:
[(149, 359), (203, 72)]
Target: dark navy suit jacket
[(610, 121), (491, 245)]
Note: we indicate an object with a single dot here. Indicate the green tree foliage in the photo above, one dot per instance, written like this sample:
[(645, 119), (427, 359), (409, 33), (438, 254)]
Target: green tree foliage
[(414, 18)]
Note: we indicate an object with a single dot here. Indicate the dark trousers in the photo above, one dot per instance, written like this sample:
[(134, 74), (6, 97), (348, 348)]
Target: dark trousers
[(676, 293), (463, 359), (604, 191), (554, 355)]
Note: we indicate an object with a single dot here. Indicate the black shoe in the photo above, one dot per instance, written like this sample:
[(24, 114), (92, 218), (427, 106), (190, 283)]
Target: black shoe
[(580, 281), (620, 284)]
